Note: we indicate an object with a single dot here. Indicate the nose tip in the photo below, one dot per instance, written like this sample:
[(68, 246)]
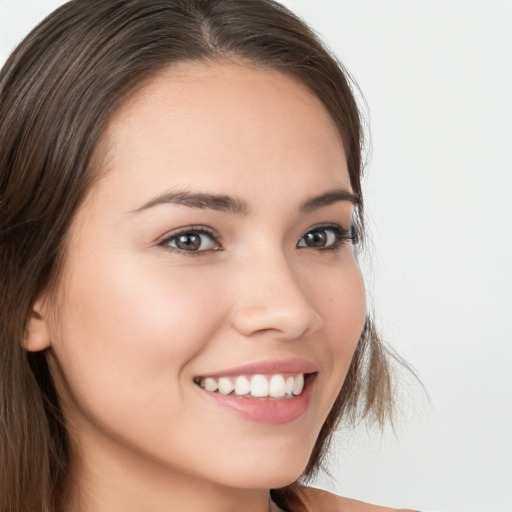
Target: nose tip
[(274, 301), (250, 320)]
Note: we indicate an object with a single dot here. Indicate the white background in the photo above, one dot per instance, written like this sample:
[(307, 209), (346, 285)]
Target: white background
[(437, 77)]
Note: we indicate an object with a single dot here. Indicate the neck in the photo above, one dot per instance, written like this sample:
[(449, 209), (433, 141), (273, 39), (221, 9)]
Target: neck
[(119, 482)]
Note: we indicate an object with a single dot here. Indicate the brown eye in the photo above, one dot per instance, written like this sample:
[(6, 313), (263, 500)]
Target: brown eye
[(319, 238), (189, 242), (192, 241)]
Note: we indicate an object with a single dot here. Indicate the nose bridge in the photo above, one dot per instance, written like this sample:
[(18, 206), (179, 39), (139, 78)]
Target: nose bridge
[(272, 298)]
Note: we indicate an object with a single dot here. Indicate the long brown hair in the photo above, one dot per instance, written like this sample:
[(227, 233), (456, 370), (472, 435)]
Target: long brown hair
[(57, 92)]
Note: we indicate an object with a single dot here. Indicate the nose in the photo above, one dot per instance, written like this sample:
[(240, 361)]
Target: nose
[(271, 297)]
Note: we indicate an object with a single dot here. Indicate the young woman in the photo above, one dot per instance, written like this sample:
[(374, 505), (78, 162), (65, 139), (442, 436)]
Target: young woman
[(183, 320)]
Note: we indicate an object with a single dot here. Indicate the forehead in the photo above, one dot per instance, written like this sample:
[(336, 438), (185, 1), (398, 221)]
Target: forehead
[(208, 123)]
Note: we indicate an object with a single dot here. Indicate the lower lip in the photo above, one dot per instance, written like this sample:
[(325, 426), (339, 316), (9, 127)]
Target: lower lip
[(262, 410)]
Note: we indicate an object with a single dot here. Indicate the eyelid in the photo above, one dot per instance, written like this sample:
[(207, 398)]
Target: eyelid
[(196, 229), (342, 235)]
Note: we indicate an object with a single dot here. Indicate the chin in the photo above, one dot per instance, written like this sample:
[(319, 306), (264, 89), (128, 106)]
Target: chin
[(271, 472), (267, 479)]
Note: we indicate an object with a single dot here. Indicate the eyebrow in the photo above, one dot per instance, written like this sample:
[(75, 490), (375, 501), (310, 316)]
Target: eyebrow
[(328, 198), (224, 203), (217, 202)]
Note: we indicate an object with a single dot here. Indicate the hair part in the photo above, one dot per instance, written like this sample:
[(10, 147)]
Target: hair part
[(58, 91)]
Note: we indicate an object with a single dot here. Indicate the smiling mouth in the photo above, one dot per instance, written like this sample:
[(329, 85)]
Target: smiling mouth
[(273, 386)]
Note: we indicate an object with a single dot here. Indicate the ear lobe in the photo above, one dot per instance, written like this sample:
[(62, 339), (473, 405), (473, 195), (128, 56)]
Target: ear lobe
[(37, 334)]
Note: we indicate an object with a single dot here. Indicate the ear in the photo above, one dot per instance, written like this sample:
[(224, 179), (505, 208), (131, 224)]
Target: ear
[(37, 333)]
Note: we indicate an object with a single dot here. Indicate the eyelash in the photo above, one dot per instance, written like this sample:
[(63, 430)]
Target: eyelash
[(191, 230), (342, 236)]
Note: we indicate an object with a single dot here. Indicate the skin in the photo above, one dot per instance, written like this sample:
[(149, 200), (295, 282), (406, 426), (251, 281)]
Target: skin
[(317, 500), (134, 320)]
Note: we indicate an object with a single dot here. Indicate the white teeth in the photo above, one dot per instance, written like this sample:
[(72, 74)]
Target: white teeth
[(242, 386), (225, 386), (259, 386), (210, 384), (288, 386), (276, 388), (298, 385)]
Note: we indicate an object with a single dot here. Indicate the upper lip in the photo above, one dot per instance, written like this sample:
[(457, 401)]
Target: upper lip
[(293, 366)]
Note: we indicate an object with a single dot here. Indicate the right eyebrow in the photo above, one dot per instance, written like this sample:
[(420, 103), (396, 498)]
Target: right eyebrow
[(217, 202)]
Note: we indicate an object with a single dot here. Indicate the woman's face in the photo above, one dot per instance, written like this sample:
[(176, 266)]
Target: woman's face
[(213, 247)]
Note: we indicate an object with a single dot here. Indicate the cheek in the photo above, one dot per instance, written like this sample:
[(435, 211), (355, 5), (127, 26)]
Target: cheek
[(126, 336), (353, 305), (344, 311), (342, 301)]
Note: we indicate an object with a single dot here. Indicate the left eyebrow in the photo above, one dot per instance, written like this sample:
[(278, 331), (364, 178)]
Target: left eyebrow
[(328, 198), (198, 200)]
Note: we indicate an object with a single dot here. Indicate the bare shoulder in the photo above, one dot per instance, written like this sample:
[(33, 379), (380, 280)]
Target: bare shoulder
[(317, 500)]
